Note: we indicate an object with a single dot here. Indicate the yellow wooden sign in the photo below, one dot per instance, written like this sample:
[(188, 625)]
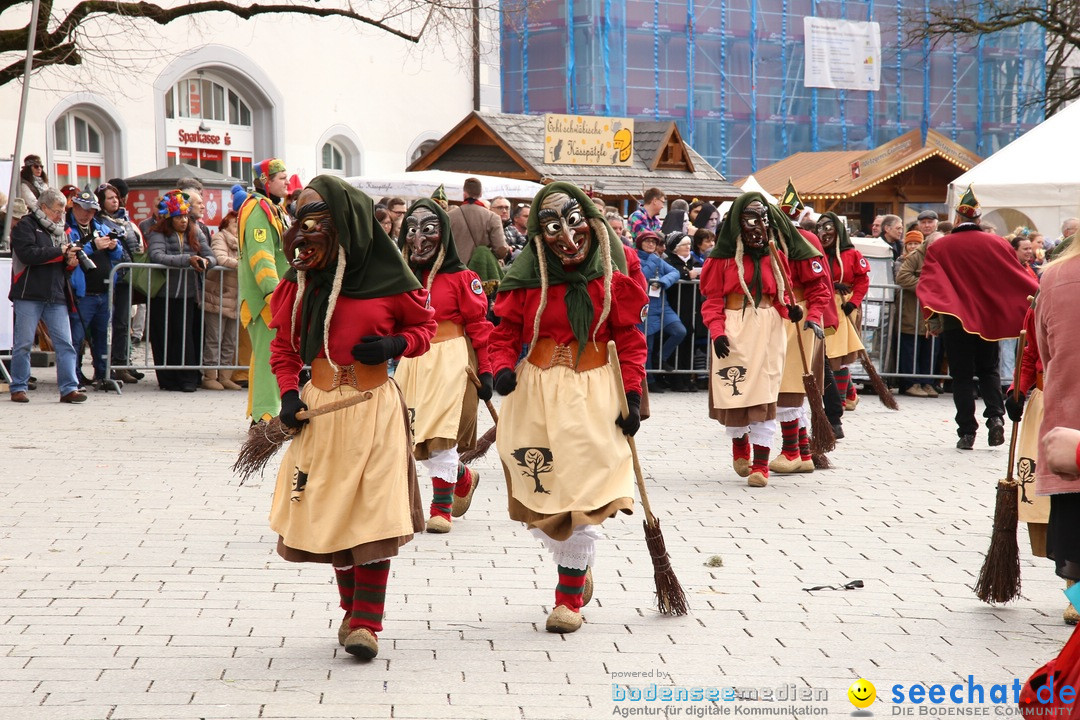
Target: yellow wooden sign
[(588, 140)]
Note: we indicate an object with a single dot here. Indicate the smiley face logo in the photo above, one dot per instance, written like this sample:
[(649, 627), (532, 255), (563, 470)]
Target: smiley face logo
[(862, 693)]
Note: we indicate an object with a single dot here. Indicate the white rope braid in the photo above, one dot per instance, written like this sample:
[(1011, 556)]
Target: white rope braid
[(600, 230), (435, 268), (301, 282), (335, 292), (543, 289)]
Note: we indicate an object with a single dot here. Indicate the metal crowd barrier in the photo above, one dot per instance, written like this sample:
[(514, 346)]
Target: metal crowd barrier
[(880, 329)]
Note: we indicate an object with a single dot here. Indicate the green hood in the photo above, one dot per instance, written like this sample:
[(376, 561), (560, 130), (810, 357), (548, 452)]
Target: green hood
[(451, 262), (842, 240)]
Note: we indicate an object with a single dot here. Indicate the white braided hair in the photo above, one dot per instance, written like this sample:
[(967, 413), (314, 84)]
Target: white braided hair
[(335, 292)]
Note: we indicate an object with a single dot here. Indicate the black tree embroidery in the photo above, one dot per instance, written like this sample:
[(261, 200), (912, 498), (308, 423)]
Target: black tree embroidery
[(535, 460), (412, 422), (299, 483), (733, 374), (1025, 473)]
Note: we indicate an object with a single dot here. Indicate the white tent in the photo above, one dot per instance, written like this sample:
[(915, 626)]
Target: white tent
[(423, 183), (749, 185), (1032, 181)]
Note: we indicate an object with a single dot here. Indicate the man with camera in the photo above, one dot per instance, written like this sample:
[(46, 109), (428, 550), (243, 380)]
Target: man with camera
[(42, 257), (90, 282)]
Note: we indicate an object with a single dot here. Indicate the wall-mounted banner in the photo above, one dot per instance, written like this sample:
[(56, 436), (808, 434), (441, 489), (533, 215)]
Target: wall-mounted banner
[(842, 54), (586, 140)]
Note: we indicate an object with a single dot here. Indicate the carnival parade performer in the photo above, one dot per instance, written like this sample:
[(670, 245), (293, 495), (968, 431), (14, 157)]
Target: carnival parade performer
[(441, 399), (851, 279), (262, 262), (743, 287), (812, 292), (346, 491), (560, 434)]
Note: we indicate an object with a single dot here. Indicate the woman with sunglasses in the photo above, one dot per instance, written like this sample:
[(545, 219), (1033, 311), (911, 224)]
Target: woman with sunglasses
[(33, 182)]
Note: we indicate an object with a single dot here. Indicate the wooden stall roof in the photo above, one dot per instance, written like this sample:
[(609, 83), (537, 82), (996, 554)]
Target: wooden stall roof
[(513, 146), (842, 175)]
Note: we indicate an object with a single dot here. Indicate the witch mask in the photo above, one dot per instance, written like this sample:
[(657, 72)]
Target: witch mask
[(565, 229), (754, 224), (826, 231), (423, 236), (310, 241)]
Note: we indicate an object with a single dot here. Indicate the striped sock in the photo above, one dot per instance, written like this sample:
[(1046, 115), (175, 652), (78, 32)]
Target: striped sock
[(442, 498), (346, 585), (464, 480), (369, 597), (789, 433), (761, 460), (843, 380), (804, 444), (740, 447), (570, 588)]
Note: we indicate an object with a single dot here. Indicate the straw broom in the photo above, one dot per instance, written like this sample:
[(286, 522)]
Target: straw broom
[(822, 437), (264, 439), (876, 382), (670, 598), (999, 578), (483, 444)]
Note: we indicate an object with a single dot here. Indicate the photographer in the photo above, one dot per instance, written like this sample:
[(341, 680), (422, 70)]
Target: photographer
[(114, 216), (175, 319), (90, 282)]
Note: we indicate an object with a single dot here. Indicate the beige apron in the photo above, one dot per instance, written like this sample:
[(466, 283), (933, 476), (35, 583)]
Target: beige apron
[(344, 480), (844, 344), (793, 364), (561, 451), (750, 375), (441, 400), (1033, 509)]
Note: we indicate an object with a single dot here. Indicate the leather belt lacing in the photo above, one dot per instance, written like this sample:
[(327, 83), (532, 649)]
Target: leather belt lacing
[(735, 301), (448, 330), (356, 375), (547, 353)]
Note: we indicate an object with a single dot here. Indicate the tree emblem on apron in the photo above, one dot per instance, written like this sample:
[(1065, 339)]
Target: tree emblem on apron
[(536, 461), (412, 422), (733, 375), (299, 483), (1025, 473)]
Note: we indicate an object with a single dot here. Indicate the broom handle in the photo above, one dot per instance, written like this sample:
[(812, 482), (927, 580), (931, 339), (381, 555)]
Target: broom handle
[(336, 405), (476, 382), (624, 409), (1016, 394), (787, 282)]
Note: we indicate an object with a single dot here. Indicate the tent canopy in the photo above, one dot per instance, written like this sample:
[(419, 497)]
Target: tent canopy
[(1033, 176), (424, 182)]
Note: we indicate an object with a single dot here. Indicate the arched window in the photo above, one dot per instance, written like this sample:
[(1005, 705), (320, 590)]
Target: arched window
[(78, 152), (421, 149), (332, 160), (209, 124)]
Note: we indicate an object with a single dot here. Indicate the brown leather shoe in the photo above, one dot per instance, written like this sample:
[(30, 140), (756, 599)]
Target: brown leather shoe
[(19, 396), (362, 643), (73, 397)]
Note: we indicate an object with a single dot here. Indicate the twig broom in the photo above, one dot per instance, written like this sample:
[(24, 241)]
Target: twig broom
[(876, 382), (670, 598), (484, 442), (999, 578)]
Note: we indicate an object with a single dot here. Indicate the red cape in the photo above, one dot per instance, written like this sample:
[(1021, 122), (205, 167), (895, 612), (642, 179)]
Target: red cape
[(975, 277)]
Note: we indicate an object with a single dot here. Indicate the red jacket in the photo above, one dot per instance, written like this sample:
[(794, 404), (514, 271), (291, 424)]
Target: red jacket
[(1030, 362), (404, 314), (459, 298), (830, 319), (517, 312), (852, 270), (719, 278)]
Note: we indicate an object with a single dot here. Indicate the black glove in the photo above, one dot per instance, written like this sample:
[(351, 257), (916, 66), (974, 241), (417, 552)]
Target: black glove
[(795, 313), (841, 288), (721, 346), (377, 349), (484, 391), (290, 405), (848, 307), (818, 331), (505, 381), (632, 422), (1014, 405)]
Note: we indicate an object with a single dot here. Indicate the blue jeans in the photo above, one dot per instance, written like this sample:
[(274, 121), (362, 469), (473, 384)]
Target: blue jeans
[(672, 333), (27, 315), (93, 316)]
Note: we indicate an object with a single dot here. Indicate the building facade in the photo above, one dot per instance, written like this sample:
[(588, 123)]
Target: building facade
[(730, 73)]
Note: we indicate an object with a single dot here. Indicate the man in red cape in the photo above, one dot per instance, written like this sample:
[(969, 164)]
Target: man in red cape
[(978, 290)]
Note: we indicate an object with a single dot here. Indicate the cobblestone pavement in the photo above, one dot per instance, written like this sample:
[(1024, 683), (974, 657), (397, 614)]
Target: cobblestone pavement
[(138, 579)]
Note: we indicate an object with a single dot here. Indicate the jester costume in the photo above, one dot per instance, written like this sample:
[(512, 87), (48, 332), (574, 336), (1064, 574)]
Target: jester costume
[(561, 432), (851, 279), (261, 225), (346, 491), (442, 401)]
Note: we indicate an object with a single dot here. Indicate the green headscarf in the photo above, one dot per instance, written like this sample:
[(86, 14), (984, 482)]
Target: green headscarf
[(374, 266), (843, 241), (451, 262), (525, 270)]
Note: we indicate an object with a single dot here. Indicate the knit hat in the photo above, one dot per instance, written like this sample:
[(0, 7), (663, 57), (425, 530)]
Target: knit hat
[(267, 168), (70, 191), (239, 195), (913, 236), (18, 208), (969, 206), (646, 235), (174, 204), (791, 204)]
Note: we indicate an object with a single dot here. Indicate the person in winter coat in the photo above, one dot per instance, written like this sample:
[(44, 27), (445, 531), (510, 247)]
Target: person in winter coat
[(221, 308), (32, 180), (661, 319), (114, 216), (685, 298)]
